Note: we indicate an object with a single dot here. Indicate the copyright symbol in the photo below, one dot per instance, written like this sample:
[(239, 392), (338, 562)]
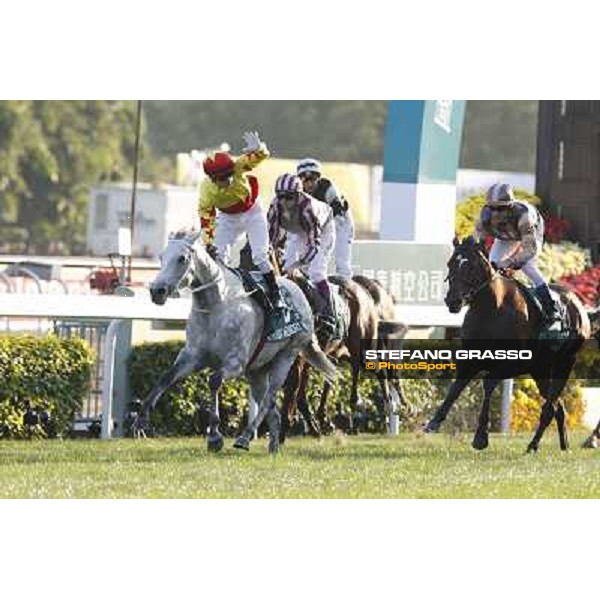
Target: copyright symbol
[(370, 365)]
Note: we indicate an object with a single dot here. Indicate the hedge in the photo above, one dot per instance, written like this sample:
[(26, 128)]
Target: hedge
[(45, 375), (177, 412)]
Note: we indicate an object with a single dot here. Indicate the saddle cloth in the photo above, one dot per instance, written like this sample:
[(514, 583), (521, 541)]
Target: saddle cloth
[(559, 330), (279, 325)]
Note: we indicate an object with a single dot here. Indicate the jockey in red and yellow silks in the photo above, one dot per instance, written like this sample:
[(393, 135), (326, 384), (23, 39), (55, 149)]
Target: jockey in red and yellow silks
[(233, 192)]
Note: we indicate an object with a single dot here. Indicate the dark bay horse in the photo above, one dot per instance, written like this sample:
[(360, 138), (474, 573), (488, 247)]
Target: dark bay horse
[(372, 325), (388, 330), (500, 311), (363, 325)]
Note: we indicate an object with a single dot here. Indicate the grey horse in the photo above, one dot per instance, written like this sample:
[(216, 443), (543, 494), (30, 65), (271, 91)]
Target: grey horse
[(225, 333)]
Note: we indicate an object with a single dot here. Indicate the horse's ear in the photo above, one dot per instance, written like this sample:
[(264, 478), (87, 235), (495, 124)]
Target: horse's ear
[(455, 241), (470, 241)]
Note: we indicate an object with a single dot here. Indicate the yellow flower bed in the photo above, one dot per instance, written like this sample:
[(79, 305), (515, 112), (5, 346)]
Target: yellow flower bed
[(559, 260), (527, 404)]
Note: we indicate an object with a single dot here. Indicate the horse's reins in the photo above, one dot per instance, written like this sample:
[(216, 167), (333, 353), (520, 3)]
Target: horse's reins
[(470, 296)]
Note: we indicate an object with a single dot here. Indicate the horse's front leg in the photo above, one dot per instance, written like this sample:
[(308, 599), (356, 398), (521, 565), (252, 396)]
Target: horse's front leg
[(464, 376), (481, 439), (185, 363), (214, 438)]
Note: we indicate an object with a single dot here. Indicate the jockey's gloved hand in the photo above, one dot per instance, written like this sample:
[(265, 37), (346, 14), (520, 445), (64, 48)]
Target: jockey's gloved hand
[(252, 140), (337, 207), (212, 251)]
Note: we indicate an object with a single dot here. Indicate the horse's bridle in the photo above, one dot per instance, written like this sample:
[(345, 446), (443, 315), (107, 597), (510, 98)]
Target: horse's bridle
[(476, 287)]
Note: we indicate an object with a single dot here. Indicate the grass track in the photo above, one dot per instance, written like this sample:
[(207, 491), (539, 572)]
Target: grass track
[(353, 467)]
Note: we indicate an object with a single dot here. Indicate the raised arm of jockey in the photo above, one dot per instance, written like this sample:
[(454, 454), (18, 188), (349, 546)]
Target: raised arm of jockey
[(254, 153)]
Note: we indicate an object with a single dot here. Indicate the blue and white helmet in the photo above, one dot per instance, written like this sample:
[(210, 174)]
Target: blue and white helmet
[(308, 165)]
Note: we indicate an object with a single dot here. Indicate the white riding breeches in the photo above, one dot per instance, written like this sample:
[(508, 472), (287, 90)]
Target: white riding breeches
[(296, 248), (344, 236), (503, 250), (254, 224)]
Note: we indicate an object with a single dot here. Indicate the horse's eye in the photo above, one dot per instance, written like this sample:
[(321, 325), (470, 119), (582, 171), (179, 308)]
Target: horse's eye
[(182, 260)]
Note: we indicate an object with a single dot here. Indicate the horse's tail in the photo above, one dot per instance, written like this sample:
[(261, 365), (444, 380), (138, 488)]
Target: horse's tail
[(392, 328), (317, 359)]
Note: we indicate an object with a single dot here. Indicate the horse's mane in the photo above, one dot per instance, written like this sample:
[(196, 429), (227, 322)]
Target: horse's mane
[(184, 233)]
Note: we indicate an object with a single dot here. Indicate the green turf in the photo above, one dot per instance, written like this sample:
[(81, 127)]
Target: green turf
[(351, 467)]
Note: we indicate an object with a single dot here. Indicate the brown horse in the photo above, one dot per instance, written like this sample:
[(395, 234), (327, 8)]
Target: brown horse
[(388, 330), (500, 311), (364, 322), (372, 326)]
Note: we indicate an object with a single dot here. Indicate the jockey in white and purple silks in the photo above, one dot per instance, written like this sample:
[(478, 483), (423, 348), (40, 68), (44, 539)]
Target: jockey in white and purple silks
[(310, 231)]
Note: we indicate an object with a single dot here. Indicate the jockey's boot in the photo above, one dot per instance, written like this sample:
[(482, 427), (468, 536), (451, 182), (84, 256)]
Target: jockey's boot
[(326, 315), (277, 303), (550, 306)]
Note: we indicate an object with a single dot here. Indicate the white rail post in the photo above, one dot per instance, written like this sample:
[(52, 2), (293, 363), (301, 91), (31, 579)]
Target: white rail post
[(394, 421), (108, 378), (507, 392)]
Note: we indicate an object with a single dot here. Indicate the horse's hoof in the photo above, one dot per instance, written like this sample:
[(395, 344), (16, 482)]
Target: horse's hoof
[(215, 443), (313, 429), (140, 426), (480, 443), (242, 443), (273, 448), (532, 448), (431, 427), (591, 442)]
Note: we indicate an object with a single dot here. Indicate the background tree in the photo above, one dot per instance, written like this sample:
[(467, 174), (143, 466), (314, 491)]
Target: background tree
[(50, 154), (498, 135)]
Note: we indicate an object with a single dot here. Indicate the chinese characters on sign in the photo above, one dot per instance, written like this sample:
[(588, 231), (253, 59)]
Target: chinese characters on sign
[(410, 285)]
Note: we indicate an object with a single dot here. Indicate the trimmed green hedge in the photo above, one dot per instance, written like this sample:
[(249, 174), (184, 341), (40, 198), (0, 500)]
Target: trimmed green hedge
[(176, 412), (45, 373)]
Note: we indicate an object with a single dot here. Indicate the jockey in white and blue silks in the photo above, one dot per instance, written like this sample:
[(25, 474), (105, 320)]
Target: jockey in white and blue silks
[(308, 227), (309, 171), (518, 229)]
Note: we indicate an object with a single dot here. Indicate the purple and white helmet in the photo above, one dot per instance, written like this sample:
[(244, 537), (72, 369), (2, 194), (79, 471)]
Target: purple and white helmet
[(288, 183), (500, 194)]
